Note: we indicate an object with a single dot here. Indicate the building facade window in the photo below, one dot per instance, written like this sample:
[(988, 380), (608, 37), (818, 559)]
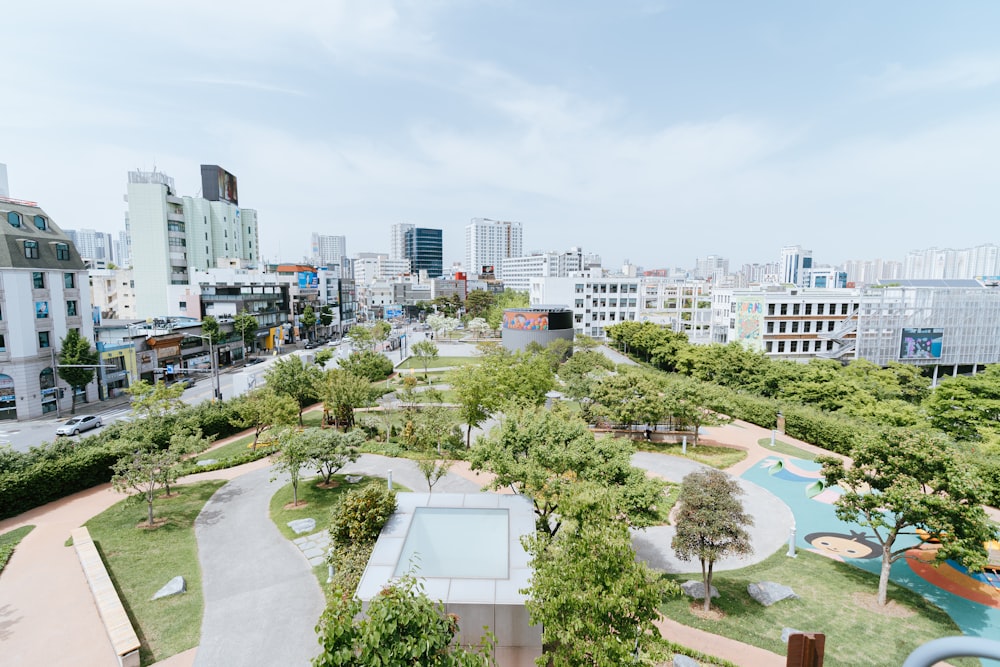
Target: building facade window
[(71, 308), (62, 251), (14, 218), (31, 249), (41, 222), (38, 280), (43, 339), (3, 343), (69, 281)]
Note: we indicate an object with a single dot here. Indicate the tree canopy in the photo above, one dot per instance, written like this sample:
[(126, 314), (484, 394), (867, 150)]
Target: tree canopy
[(77, 360), (295, 378)]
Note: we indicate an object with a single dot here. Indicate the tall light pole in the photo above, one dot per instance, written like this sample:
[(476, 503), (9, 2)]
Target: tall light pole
[(215, 366)]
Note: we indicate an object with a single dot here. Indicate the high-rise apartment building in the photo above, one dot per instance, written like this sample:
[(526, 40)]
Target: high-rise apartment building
[(948, 264), (489, 242), (795, 265), (91, 244), (328, 249), (424, 249), (172, 236), (711, 267), (397, 240)]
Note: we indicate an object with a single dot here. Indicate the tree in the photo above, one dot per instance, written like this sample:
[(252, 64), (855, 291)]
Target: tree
[(262, 409), (342, 392), (309, 319), (77, 362), (425, 350), (210, 328), (686, 404), (581, 371), (542, 454), (323, 357), (711, 522), (332, 450), (595, 602), (155, 401), (295, 448), (478, 302), (967, 408), (143, 470), (296, 379), (478, 326), (908, 479), (629, 397), (401, 626), (246, 326), (367, 364), (326, 316), (433, 470)]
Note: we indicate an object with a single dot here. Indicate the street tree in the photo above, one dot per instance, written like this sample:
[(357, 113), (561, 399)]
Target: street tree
[(579, 373), (594, 601), (210, 328), (341, 393), (425, 351), (478, 302), (323, 357), (368, 364), (77, 362), (332, 450), (308, 320), (326, 317), (294, 378), (263, 409), (151, 401), (478, 326), (246, 326), (686, 403), (186, 441), (401, 626), (906, 480), (631, 396), (711, 522), (295, 448), (433, 470), (143, 470)]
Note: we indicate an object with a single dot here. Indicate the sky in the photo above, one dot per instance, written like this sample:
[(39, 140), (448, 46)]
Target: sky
[(651, 131)]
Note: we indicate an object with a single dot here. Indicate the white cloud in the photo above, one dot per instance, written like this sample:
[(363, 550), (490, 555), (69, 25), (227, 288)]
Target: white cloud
[(963, 73)]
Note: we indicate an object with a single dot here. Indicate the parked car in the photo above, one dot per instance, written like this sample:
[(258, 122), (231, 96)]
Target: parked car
[(253, 360), (312, 345), (77, 425), (188, 382)]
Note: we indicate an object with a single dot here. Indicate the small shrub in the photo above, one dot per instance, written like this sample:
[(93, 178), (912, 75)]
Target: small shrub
[(360, 514)]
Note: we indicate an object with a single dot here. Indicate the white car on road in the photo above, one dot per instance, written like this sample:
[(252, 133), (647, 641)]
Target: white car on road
[(77, 425)]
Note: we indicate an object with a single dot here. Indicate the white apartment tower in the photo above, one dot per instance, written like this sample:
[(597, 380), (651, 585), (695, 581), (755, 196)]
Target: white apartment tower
[(328, 249), (795, 265), (174, 236), (489, 242), (397, 242)]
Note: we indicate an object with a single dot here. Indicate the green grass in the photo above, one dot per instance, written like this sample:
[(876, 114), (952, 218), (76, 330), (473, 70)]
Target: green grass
[(438, 362), (717, 457), (314, 502), (786, 449), (9, 542), (854, 635), (228, 450), (141, 561)]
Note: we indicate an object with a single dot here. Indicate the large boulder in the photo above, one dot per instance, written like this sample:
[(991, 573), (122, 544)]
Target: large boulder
[(684, 661), (300, 526), (696, 589), (769, 592), (175, 586)]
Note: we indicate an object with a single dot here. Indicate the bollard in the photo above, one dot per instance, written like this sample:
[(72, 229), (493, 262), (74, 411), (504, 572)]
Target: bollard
[(684, 444), (329, 566), (390, 479), (791, 542), (773, 431)]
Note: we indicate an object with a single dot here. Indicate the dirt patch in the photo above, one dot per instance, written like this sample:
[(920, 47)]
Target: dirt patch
[(713, 614), (332, 484), (892, 609), (157, 523), (294, 506)]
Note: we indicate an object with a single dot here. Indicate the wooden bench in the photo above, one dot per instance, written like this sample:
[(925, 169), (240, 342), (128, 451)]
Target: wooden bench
[(124, 641)]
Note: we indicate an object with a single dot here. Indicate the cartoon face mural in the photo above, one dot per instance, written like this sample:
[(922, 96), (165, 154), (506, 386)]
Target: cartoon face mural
[(840, 546)]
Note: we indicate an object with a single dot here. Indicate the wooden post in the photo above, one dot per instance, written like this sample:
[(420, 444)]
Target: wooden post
[(805, 650)]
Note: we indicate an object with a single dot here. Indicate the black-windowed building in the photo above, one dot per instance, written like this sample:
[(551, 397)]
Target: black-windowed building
[(424, 249)]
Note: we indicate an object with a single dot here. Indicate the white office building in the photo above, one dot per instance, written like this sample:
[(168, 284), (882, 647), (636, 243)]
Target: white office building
[(327, 250), (795, 265), (517, 272), (597, 302), (489, 242)]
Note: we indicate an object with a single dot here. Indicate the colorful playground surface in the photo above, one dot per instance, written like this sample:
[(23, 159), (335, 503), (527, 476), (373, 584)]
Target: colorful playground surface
[(971, 599)]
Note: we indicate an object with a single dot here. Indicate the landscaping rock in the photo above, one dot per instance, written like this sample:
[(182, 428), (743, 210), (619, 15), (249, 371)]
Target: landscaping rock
[(300, 526), (769, 592), (788, 632), (354, 479), (685, 661), (207, 462), (175, 586), (696, 589)]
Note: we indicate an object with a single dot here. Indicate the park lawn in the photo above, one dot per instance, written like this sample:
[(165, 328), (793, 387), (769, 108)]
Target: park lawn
[(716, 457), (786, 449), (314, 502), (854, 635), (229, 450), (9, 542), (141, 561), (438, 362)]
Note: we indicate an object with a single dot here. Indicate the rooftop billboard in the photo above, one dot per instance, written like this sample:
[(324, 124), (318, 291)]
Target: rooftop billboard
[(217, 184)]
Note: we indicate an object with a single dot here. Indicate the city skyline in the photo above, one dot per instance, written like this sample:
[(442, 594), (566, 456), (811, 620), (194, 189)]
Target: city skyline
[(856, 131)]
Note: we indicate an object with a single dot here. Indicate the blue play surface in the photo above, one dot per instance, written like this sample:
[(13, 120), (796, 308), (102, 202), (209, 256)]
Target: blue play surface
[(798, 483)]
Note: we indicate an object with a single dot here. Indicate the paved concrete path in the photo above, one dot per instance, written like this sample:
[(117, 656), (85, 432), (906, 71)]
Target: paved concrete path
[(262, 600)]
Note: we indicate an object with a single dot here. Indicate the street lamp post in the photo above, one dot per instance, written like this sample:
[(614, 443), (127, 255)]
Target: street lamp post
[(215, 366)]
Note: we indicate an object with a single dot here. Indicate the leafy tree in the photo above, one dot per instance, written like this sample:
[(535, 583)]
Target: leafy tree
[(155, 401), (210, 328), (359, 515), (295, 448), (326, 316), (308, 319), (262, 409), (296, 379), (183, 443), (446, 305), (425, 350), (543, 453), (323, 357), (441, 323), (605, 615), (631, 396), (367, 364), (909, 479), (143, 470), (341, 392), (361, 337), (478, 326), (77, 361), (246, 326), (433, 471), (967, 408), (711, 522), (401, 626), (686, 403), (478, 302), (332, 450), (584, 343), (579, 373)]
